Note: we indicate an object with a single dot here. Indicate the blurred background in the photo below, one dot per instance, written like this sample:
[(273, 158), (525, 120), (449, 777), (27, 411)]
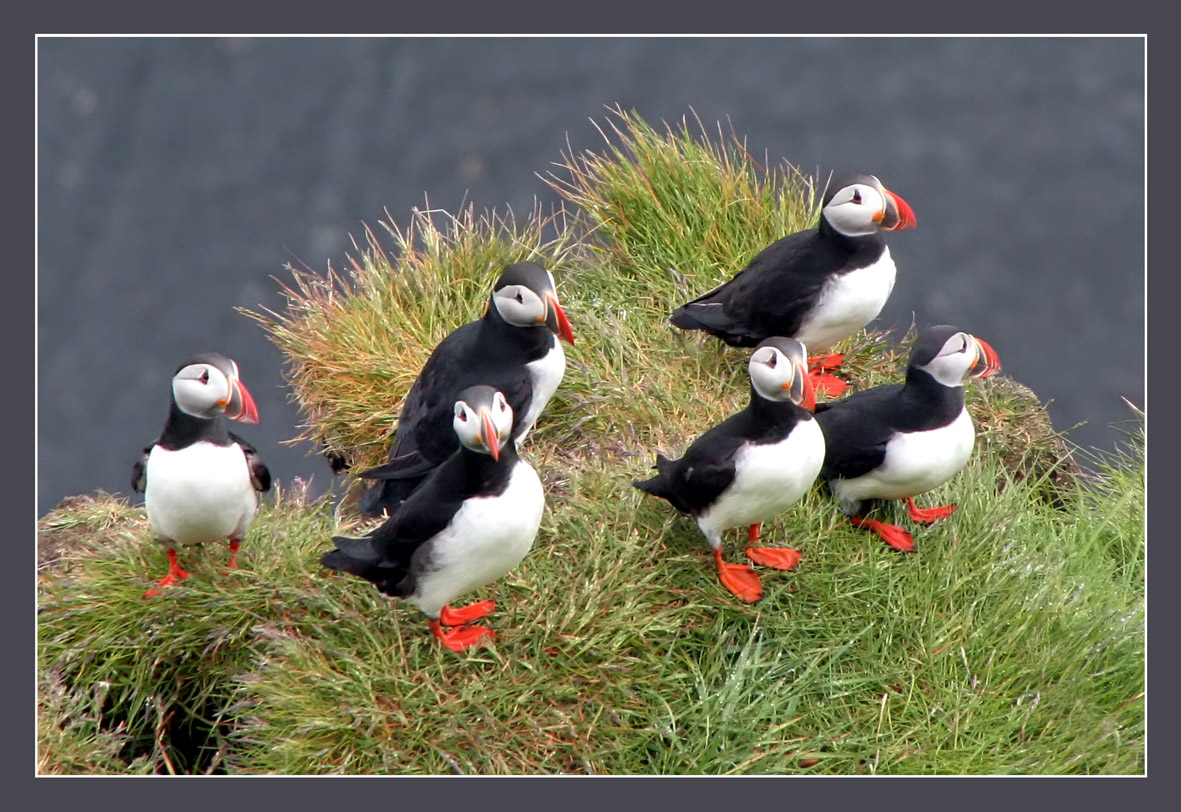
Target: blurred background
[(177, 176)]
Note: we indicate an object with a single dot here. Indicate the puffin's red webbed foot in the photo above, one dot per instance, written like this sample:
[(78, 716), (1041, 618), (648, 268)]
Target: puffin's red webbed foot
[(460, 639), (465, 614), (739, 579), (824, 363), (780, 558), (818, 368), (830, 385), (892, 534), (175, 573), (928, 515)]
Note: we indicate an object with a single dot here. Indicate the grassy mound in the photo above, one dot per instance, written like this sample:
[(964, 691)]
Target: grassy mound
[(1011, 642)]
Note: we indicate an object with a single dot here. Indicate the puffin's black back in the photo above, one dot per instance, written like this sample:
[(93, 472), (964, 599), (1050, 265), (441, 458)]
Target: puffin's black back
[(775, 292), (857, 428)]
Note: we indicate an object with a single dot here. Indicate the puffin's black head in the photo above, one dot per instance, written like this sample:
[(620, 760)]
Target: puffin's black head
[(525, 296), (856, 205), (206, 385), (952, 356), (779, 371), (483, 419)]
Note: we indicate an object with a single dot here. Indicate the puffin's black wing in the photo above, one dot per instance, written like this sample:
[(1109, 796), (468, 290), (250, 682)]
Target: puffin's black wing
[(856, 431), (407, 466), (139, 471), (770, 296), (260, 475)]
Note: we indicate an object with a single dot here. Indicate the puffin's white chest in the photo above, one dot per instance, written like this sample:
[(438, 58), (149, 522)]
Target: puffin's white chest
[(486, 539), (546, 373), (767, 480), (199, 493), (915, 463), (847, 303)]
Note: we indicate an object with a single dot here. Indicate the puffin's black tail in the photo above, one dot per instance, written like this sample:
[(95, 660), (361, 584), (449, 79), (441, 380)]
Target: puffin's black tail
[(352, 555), (681, 317), (660, 486)]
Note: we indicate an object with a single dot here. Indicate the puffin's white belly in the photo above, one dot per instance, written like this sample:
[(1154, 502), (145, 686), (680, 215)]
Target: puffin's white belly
[(546, 373), (485, 540), (915, 463), (199, 493), (848, 303), (768, 479)]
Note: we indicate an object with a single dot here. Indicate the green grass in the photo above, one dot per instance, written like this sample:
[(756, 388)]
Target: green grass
[(1012, 641)]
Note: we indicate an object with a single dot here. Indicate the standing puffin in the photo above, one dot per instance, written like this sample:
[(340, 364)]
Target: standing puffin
[(900, 440), (819, 285), (472, 520), (200, 481), (752, 465), (513, 348)]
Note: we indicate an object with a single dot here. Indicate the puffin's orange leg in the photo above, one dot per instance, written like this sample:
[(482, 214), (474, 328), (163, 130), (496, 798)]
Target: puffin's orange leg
[(739, 579), (928, 515), (234, 545), (175, 573), (892, 534)]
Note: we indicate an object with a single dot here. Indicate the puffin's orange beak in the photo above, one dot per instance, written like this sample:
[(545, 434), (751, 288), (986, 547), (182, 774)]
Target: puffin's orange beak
[(491, 439), (241, 406), (987, 361), (898, 214), (558, 323), (802, 390)]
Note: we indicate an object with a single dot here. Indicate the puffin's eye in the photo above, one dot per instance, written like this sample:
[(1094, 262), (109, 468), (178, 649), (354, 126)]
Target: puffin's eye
[(462, 416), (856, 195), (773, 360), (520, 298), (204, 376)]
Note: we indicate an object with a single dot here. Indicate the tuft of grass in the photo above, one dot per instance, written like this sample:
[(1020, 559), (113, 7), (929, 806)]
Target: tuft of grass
[(673, 214), (356, 339), (1012, 641), (144, 683)]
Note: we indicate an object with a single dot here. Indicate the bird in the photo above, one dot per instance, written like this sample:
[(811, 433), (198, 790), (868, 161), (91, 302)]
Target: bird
[(472, 520), (901, 440), (514, 347), (201, 481), (751, 466), (819, 285)]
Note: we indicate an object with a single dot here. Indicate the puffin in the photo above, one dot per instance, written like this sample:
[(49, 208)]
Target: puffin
[(901, 440), (819, 285), (751, 466), (201, 481), (514, 348), (471, 521)]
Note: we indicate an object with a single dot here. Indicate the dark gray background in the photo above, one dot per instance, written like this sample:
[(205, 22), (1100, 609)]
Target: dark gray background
[(177, 175)]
